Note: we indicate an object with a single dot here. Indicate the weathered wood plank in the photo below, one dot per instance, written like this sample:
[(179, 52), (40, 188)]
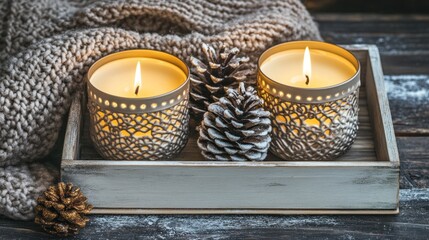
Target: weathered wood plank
[(405, 64), (373, 28), (341, 18), (411, 223), (385, 142), (179, 211), (414, 161), (409, 103), (72, 135), (402, 39), (256, 186), (388, 43), (368, 23)]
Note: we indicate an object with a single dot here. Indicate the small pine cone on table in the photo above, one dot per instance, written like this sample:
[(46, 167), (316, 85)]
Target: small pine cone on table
[(214, 74), (236, 128), (61, 210)]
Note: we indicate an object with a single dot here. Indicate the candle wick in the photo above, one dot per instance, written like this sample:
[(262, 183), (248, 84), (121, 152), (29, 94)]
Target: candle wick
[(308, 80), (137, 90)]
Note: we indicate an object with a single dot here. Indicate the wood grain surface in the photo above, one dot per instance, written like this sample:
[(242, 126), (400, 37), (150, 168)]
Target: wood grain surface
[(403, 43)]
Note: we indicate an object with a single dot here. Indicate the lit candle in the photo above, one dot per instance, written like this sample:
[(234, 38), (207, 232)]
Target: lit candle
[(311, 89), (322, 68), (138, 105), (121, 77)]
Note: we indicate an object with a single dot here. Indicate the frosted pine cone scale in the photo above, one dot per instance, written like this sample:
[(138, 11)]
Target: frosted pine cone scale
[(214, 74), (236, 127)]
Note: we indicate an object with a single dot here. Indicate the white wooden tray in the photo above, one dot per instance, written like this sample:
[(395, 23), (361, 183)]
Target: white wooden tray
[(364, 181)]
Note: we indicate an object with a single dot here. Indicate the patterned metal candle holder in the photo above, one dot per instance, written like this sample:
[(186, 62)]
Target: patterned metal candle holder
[(311, 123), (149, 128)]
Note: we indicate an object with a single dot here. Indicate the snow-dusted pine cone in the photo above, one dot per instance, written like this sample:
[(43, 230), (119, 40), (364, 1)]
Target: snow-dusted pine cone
[(213, 75), (236, 127)]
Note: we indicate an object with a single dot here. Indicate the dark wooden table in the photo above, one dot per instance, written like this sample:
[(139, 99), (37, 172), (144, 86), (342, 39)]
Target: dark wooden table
[(403, 41)]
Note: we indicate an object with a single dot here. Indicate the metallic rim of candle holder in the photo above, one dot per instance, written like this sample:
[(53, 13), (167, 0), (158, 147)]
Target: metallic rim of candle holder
[(139, 128), (138, 105), (334, 109), (309, 95)]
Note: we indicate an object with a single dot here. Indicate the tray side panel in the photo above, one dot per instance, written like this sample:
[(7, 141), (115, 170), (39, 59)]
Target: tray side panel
[(129, 211), (209, 187), (72, 135), (385, 141)]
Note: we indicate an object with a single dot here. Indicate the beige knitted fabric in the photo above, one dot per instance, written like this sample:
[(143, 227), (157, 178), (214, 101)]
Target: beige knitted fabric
[(20, 186), (48, 45)]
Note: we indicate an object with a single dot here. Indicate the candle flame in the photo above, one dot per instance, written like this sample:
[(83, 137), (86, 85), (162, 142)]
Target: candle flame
[(306, 66), (137, 78)]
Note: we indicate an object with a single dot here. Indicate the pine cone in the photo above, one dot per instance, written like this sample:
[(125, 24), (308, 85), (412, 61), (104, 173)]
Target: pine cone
[(61, 210), (213, 75), (236, 127)]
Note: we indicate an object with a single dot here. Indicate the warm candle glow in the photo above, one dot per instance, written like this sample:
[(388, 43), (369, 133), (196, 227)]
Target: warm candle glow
[(306, 66), (153, 77), (138, 105), (312, 96), (325, 69), (137, 78)]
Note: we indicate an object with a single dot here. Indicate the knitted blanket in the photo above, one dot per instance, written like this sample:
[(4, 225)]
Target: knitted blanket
[(46, 47)]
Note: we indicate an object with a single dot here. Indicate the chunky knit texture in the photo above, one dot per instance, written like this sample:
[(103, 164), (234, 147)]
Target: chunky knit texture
[(48, 45), (19, 188)]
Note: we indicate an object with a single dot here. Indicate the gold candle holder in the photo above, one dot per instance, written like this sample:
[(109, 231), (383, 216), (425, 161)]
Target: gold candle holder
[(141, 128), (311, 123)]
